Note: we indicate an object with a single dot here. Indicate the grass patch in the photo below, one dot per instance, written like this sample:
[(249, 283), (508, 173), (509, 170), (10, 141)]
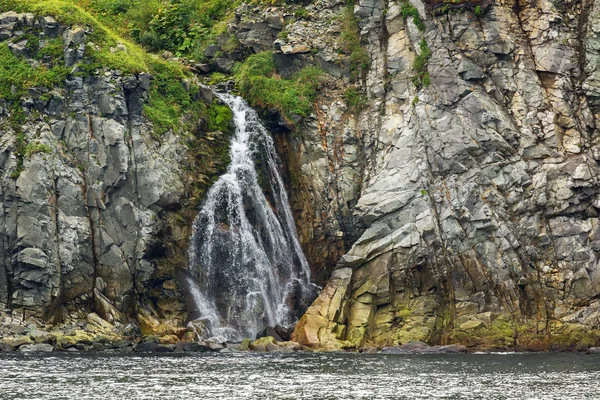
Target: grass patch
[(16, 75), (34, 148), (220, 117), (257, 82), (105, 49), (354, 99), (408, 10), (421, 78), (350, 40)]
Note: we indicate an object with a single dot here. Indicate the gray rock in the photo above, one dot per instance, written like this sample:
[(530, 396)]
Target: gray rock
[(593, 350), (6, 348), (36, 348)]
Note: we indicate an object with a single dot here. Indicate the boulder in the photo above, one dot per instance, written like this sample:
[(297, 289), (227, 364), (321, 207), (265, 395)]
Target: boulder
[(272, 332), (153, 348), (36, 348), (417, 347), (593, 350), (6, 348)]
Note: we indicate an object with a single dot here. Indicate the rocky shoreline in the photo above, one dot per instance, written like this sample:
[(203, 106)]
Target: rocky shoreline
[(30, 339)]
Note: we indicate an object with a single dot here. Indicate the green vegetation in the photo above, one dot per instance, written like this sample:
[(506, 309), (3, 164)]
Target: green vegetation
[(16, 75), (33, 148), (354, 99), (301, 13), (183, 27), (258, 83), (20, 146), (350, 37), (219, 117), (421, 78), (169, 100), (283, 34), (478, 10), (408, 10)]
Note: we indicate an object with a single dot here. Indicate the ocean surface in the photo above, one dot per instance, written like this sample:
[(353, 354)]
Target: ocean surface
[(299, 376)]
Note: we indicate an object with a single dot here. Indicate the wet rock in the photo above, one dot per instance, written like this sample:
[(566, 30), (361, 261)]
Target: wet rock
[(124, 350), (593, 350), (16, 329), (122, 343), (36, 348), (270, 331), (153, 348), (423, 348), (191, 348), (6, 348)]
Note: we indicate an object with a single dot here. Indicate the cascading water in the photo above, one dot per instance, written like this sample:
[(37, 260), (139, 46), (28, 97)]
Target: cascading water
[(249, 267)]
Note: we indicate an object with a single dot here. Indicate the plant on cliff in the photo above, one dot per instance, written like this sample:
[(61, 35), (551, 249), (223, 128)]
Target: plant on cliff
[(258, 82), (16, 75), (408, 10), (354, 99), (350, 40), (219, 117), (421, 77), (169, 100), (183, 27)]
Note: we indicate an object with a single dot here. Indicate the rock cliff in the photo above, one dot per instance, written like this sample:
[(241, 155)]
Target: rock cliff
[(445, 184), (470, 183), (96, 200)]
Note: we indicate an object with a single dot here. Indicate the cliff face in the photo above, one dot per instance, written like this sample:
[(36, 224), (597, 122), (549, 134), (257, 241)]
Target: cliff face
[(445, 185), (472, 188), (96, 203)]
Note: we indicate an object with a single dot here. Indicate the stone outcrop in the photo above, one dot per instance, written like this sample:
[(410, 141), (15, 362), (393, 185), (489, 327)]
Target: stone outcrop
[(472, 200), (92, 197), (455, 202)]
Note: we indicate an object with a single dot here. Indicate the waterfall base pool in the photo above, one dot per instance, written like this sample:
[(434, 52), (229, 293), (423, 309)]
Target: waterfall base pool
[(299, 376)]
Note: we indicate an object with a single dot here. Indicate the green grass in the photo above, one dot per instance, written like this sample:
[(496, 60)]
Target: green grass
[(354, 99), (168, 101), (408, 10), (220, 117), (33, 148), (258, 83), (16, 75), (183, 27), (350, 40), (421, 77)]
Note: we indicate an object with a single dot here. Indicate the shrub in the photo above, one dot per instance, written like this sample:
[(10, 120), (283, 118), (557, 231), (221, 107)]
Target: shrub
[(408, 10), (257, 82), (421, 78), (219, 117), (354, 99), (301, 13), (33, 148), (350, 37)]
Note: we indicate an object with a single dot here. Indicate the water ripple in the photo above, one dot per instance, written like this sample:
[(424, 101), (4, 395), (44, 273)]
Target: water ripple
[(299, 376)]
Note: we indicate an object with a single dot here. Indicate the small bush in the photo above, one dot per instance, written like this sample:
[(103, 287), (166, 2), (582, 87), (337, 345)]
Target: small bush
[(350, 36), (354, 99), (421, 78), (220, 117), (257, 82), (301, 13), (408, 10), (33, 148)]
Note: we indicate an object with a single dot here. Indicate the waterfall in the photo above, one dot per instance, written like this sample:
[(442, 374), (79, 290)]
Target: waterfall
[(245, 255)]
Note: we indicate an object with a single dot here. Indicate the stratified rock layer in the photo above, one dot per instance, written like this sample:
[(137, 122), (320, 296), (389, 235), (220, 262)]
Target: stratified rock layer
[(474, 198), (93, 201)]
